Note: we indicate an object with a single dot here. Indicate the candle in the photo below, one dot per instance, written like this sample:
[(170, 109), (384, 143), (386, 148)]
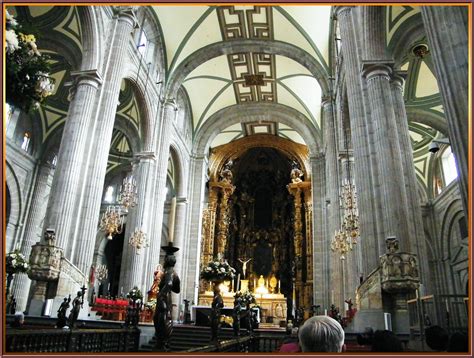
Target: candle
[(278, 286), (416, 293), (447, 306), (171, 220), (121, 291), (254, 283), (325, 312), (108, 287), (238, 283)]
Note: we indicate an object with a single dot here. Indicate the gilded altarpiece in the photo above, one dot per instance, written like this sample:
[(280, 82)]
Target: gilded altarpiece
[(259, 212)]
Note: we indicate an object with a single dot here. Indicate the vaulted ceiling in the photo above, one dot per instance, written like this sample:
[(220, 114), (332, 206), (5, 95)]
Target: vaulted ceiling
[(248, 77)]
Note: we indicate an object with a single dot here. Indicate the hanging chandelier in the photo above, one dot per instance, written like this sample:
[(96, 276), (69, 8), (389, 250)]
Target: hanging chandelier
[(101, 272), (127, 196), (347, 236), (138, 240), (112, 221), (341, 243)]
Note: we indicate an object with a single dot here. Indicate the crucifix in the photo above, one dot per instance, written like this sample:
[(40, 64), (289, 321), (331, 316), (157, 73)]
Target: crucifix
[(244, 265)]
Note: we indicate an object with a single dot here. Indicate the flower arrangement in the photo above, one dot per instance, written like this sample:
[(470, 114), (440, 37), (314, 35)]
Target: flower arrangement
[(135, 294), (218, 271), (27, 79), (247, 297), (16, 262)]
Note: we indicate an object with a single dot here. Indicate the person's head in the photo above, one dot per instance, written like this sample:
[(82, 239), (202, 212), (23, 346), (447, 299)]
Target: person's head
[(321, 334), (19, 319), (386, 341), (458, 342), (365, 338), (437, 338)]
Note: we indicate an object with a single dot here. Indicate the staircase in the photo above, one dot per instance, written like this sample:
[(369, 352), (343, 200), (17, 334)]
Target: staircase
[(185, 337)]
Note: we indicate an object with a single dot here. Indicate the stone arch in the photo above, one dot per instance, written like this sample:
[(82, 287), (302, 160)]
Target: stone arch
[(251, 112), (144, 99), (92, 51), (239, 46), (16, 204), (177, 158), (428, 118)]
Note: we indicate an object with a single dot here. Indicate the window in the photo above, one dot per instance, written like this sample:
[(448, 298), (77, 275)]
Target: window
[(109, 194), (449, 166), (26, 141)]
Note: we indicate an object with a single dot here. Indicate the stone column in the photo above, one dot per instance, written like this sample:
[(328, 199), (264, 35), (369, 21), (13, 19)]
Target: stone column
[(132, 273), (447, 31), (360, 130), (194, 228), (33, 232), (62, 205), (394, 203), (321, 252), (181, 208), (81, 248), (169, 111), (416, 231)]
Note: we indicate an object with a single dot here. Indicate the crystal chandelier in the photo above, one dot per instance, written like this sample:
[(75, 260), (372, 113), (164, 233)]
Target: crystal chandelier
[(127, 196), (138, 240), (101, 272), (347, 236), (112, 222)]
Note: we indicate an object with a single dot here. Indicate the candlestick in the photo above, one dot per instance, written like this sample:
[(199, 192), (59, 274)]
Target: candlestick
[(172, 220), (332, 296), (238, 283)]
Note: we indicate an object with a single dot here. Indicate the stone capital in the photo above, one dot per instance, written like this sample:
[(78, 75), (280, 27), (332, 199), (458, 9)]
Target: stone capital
[(326, 101), (398, 78), (342, 10), (145, 156), (87, 77), (127, 14), (371, 69)]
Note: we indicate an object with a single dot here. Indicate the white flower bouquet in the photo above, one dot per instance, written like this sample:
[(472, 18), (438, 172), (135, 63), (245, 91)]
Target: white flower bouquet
[(218, 271), (16, 262)]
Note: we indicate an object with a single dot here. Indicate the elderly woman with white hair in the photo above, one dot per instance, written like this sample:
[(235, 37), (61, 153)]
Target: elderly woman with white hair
[(321, 334)]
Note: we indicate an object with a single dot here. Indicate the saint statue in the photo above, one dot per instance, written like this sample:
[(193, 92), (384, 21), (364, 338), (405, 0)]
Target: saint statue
[(162, 318), (76, 307), (157, 276)]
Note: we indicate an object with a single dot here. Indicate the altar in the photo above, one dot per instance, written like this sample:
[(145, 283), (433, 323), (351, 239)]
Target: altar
[(272, 305)]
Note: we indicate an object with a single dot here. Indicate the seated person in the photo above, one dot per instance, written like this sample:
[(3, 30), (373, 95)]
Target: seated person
[(290, 343), (386, 341), (18, 320), (321, 334), (437, 338), (458, 342)]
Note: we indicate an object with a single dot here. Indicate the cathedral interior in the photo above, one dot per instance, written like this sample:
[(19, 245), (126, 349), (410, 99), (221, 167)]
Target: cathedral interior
[(319, 151)]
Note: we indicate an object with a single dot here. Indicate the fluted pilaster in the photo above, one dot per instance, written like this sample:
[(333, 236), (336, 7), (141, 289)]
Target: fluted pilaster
[(132, 273), (163, 152), (32, 234), (63, 206), (82, 247), (447, 31), (415, 225), (385, 136), (360, 130)]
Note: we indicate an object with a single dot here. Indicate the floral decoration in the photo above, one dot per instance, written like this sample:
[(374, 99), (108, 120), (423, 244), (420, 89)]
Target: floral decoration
[(16, 262), (247, 297), (135, 294), (27, 80), (218, 271)]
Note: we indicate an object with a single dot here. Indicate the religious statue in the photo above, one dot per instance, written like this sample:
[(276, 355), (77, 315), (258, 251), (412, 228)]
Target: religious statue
[(187, 313), (62, 321), (244, 265), (236, 313), (216, 306), (296, 173), (157, 276), (226, 173), (170, 283), (76, 307)]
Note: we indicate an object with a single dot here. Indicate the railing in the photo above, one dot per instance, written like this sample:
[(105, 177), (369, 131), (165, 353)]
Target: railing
[(258, 342), (75, 340)]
